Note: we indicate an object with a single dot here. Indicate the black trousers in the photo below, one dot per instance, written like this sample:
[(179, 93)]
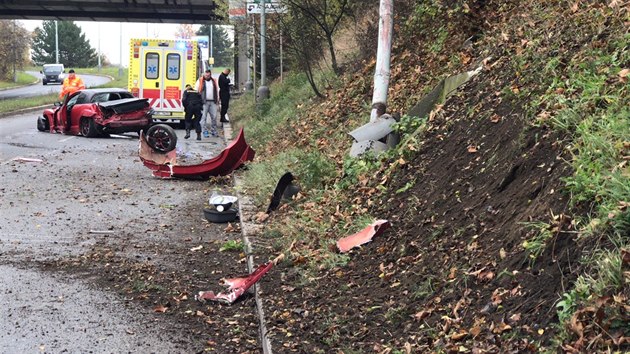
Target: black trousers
[(189, 121), (225, 104)]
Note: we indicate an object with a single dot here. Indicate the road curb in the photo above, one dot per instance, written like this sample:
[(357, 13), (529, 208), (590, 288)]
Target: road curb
[(246, 211)]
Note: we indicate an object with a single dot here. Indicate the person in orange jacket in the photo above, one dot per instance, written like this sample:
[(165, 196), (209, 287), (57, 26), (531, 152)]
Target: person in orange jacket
[(71, 84)]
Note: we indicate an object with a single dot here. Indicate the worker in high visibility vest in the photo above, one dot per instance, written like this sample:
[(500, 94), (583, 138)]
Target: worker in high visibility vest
[(71, 84)]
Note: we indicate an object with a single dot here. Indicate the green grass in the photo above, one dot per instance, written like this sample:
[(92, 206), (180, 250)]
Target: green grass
[(23, 79), (232, 246), (21, 103), (265, 119), (588, 105), (14, 105)]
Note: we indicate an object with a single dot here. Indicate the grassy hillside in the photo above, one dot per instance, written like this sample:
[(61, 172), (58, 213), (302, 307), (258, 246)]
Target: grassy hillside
[(508, 204)]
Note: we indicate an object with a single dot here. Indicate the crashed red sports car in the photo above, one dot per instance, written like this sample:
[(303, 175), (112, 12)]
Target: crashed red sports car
[(97, 112)]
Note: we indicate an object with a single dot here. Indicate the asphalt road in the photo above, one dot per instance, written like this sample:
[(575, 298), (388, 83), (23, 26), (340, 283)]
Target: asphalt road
[(49, 210), (40, 90)]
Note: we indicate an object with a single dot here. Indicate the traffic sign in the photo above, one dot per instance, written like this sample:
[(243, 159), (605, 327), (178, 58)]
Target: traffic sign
[(270, 7)]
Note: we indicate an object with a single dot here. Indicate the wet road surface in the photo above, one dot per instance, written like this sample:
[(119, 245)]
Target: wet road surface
[(56, 208)]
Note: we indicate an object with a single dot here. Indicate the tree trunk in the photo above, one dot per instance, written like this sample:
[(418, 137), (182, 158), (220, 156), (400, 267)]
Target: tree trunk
[(333, 57)]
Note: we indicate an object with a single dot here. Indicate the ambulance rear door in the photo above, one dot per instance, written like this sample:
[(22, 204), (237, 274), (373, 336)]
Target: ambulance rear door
[(162, 80)]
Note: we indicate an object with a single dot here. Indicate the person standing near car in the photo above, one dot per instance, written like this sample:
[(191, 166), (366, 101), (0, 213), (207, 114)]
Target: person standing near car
[(192, 107), (71, 84), (207, 87), (224, 94)]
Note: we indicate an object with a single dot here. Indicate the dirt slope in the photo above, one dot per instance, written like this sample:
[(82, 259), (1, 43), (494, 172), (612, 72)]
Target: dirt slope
[(451, 274)]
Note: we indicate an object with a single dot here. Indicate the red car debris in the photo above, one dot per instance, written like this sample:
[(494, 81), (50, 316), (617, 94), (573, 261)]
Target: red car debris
[(97, 112), (154, 155), (237, 286), (364, 236)]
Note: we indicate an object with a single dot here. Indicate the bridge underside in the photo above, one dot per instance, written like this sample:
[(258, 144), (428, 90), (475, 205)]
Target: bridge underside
[(155, 11)]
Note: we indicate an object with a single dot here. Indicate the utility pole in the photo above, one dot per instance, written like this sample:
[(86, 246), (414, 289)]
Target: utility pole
[(383, 58), (254, 56), (281, 66), (56, 44), (263, 90)]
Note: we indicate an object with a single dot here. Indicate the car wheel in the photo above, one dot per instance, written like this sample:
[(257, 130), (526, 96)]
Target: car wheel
[(44, 82), (42, 124), (161, 138), (87, 127)]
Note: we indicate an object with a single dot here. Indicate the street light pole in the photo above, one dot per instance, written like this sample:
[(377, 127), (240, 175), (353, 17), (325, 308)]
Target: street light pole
[(211, 45), (56, 43), (263, 90)]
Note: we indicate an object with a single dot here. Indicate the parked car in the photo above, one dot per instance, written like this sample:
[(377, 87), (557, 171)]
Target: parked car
[(97, 112), (52, 73)]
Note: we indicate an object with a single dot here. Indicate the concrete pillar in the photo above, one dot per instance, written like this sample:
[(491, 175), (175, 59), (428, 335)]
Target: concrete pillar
[(242, 62)]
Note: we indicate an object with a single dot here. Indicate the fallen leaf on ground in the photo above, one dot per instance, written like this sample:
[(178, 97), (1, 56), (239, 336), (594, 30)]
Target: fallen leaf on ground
[(160, 308)]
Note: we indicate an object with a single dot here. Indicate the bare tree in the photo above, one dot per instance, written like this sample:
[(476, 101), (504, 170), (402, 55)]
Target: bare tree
[(185, 31), (15, 40), (304, 45), (325, 15)]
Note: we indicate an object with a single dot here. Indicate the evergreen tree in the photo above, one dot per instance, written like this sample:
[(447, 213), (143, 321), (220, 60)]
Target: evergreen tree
[(74, 48), (222, 46)]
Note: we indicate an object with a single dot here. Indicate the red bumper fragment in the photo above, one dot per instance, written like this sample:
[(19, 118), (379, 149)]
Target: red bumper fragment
[(237, 286), (165, 165), (364, 236)]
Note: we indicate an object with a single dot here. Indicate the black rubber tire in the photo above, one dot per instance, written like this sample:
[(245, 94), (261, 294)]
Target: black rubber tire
[(42, 124), (161, 138), (44, 82), (87, 127)]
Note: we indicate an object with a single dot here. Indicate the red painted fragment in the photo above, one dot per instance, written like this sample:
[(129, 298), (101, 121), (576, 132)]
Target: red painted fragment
[(364, 236), (237, 286), (231, 158)]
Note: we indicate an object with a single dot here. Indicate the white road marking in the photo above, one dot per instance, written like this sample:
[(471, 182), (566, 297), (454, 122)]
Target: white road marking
[(66, 139)]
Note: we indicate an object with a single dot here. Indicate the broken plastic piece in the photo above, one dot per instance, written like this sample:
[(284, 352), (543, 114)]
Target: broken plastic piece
[(285, 182), (231, 158), (237, 286), (364, 236), (26, 159)]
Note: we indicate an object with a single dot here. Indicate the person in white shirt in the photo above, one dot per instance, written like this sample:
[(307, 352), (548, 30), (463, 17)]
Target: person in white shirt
[(207, 87)]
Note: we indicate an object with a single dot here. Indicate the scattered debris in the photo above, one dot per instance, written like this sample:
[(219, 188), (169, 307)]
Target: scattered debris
[(284, 189), (216, 216), (237, 286), (222, 202), (107, 232), (26, 159), (165, 165), (364, 236)]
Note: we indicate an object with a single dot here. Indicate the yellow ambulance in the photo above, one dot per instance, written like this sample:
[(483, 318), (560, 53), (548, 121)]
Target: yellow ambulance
[(159, 70)]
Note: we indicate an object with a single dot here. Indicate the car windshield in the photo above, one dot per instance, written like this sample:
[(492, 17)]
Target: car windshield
[(53, 69)]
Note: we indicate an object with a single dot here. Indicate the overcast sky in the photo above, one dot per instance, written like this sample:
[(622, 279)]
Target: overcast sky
[(110, 35)]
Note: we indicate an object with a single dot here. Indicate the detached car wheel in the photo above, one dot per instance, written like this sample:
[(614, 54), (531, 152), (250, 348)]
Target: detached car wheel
[(161, 138), (42, 124), (87, 127)]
